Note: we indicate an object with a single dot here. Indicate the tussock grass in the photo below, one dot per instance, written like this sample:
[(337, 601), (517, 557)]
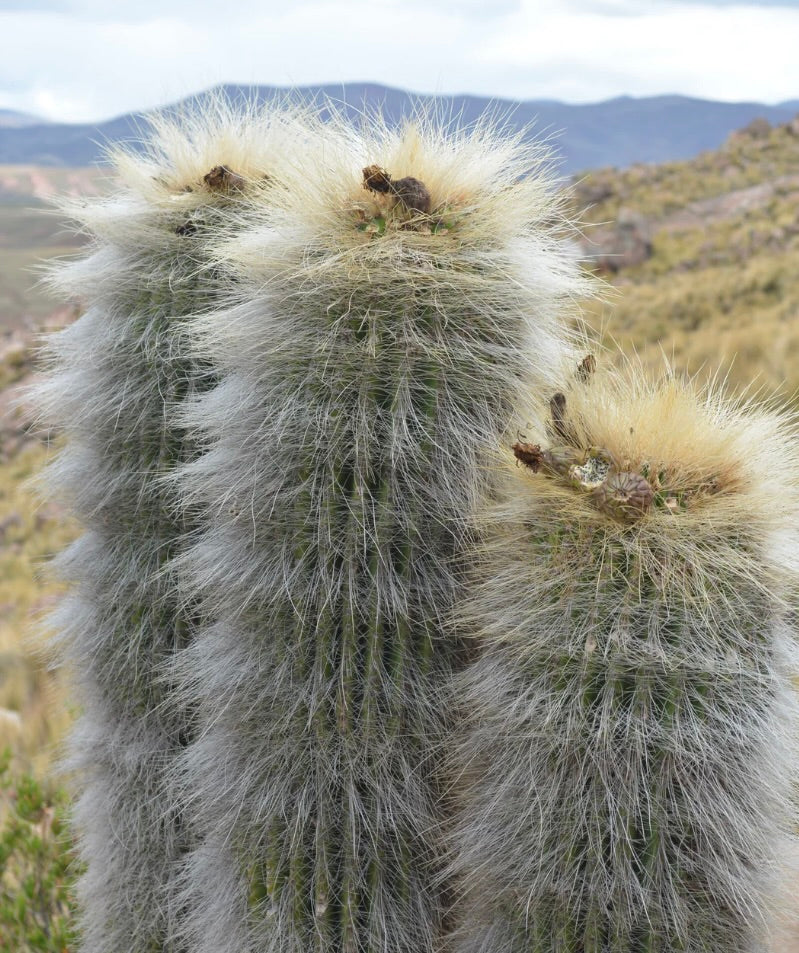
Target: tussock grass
[(35, 712)]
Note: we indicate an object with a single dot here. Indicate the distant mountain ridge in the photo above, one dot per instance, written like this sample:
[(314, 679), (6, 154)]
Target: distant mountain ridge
[(11, 119), (617, 132)]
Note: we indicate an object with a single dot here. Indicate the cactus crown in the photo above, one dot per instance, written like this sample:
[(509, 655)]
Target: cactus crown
[(635, 447)]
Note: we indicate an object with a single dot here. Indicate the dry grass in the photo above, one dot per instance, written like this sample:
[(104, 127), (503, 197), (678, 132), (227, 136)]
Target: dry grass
[(721, 289), (34, 712)]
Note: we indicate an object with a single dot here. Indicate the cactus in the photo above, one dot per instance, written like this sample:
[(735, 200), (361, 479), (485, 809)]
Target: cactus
[(622, 769), (118, 374), (395, 305)]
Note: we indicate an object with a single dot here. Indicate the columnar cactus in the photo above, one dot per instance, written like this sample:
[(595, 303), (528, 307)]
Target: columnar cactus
[(624, 762), (118, 374), (395, 305)]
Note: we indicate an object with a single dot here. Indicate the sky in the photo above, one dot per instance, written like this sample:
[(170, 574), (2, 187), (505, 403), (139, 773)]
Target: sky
[(88, 60)]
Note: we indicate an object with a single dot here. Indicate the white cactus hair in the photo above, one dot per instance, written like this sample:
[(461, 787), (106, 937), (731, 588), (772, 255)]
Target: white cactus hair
[(115, 378), (373, 356), (623, 774)]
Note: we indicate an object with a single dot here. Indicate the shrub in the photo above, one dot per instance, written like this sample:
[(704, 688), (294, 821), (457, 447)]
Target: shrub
[(37, 866)]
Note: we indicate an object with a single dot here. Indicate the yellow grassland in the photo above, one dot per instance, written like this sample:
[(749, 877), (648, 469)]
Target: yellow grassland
[(721, 288), (34, 707)]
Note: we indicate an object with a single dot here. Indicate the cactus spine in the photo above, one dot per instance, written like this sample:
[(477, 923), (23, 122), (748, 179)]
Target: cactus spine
[(394, 306), (625, 759), (118, 374)]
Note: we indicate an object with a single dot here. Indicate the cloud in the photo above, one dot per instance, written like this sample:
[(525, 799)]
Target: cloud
[(791, 4), (83, 60), (739, 53), (101, 10)]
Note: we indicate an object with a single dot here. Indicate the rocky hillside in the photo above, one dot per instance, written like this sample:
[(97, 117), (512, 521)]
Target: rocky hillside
[(702, 257), (32, 233)]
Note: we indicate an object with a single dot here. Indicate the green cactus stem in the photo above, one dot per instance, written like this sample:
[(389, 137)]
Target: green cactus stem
[(623, 774), (118, 375), (387, 324)]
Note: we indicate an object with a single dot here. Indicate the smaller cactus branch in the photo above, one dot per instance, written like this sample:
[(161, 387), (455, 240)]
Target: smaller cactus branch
[(624, 763)]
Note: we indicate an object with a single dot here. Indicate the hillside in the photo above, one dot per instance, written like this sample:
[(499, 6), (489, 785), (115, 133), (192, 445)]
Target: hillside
[(615, 132), (11, 119), (33, 713), (704, 257), (31, 233)]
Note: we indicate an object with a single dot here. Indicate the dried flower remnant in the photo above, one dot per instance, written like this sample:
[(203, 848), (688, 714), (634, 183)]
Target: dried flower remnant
[(594, 472), (529, 454), (376, 179), (620, 493), (586, 368), (223, 179), (412, 194)]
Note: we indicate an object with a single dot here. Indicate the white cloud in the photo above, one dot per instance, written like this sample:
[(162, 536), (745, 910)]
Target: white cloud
[(741, 52), (86, 59)]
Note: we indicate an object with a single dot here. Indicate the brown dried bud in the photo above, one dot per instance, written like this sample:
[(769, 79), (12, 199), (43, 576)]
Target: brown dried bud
[(376, 179), (624, 495), (412, 193), (529, 454), (222, 179), (586, 367), (559, 429)]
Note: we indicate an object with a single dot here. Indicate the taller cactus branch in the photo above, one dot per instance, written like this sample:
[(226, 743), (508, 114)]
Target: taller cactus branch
[(399, 303), (625, 764), (119, 372)]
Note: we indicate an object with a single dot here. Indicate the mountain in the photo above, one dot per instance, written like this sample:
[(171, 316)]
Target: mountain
[(617, 132), (11, 119)]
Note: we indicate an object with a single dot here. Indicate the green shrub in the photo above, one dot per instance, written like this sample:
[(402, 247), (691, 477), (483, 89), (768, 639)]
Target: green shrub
[(37, 870)]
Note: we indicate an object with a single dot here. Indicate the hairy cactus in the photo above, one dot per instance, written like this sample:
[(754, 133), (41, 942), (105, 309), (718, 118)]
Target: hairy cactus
[(622, 772), (395, 305), (118, 374)]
